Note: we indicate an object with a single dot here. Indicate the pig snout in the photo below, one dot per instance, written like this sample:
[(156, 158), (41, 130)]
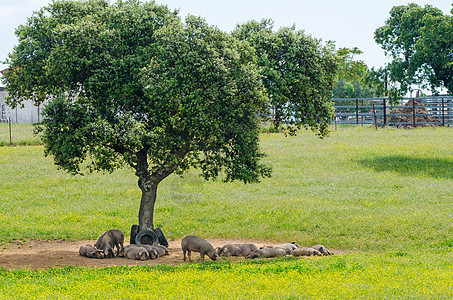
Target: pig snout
[(213, 255)]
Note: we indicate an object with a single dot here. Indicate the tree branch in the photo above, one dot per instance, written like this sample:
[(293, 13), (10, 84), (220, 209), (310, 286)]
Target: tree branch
[(162, 173)]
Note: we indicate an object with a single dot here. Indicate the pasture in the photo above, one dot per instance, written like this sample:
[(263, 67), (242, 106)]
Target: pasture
[(383, 198), (17, 134)]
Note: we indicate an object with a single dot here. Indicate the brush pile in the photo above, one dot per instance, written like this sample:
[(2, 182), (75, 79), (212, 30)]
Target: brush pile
[(404, 116)]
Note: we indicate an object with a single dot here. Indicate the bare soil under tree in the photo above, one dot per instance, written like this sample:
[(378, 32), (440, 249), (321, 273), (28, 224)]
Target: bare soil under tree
[(37, 254)]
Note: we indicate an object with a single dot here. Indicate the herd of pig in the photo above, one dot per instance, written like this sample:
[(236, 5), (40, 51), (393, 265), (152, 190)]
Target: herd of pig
[(114, 238)]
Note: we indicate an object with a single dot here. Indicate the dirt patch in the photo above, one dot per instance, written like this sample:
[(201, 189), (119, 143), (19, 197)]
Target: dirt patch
[(36, 254)]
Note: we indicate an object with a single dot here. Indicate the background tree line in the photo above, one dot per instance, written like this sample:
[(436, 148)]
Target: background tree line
[(419, 41)]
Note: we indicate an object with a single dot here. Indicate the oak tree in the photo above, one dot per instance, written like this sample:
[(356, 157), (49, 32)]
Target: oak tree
[(130, 84)]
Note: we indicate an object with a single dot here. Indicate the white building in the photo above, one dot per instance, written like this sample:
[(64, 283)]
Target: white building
[(27, 114)]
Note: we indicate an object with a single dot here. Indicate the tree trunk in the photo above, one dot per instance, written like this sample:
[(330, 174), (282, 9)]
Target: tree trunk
[(148, 184), (146, 212), (277, 119)]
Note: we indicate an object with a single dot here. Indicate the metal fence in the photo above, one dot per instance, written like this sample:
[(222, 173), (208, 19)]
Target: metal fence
[(410, 112)]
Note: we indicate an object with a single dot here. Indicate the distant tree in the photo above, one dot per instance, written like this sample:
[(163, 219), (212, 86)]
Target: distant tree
[(383, 85), (351, 89), (299, 73), (419, 40), (351, 69), (130, 84), (436, 47), (351, 75)]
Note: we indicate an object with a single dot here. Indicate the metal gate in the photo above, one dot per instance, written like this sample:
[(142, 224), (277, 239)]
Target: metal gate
[(410, 112)]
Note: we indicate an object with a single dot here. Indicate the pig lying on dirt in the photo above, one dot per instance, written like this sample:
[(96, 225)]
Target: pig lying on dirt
[(229, 250), (236, 249), (196, 244), (90, 251), (110, 239), (266, 253), (127, 248), (152, 252), (323, 250), (137, 253), (305, 251), (288, 247), (161, 250)]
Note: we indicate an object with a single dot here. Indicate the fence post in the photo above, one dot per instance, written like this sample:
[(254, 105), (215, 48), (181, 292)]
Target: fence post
[(357, 111), (335, 119), (374, 113), (385, 112), (10, 135), (443, 114), (361, 112), (413, 113)]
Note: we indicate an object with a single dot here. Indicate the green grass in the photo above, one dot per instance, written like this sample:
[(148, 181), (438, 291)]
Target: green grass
[(359, 188), (356, 276), (385, 195), (21, 134)]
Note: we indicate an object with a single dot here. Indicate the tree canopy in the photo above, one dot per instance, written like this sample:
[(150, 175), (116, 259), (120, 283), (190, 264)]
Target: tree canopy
[(419, 40), (299, 74), (130, 84)]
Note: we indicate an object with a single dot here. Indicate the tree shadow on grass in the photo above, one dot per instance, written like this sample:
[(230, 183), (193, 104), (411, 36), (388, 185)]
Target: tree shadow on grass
[(411, 166)]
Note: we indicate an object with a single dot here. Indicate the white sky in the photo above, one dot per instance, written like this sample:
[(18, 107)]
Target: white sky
[(350, 23)]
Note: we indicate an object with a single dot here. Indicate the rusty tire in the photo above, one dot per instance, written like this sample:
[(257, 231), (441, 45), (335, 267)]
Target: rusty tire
[(147, 237), (162, 240), (134, 231)]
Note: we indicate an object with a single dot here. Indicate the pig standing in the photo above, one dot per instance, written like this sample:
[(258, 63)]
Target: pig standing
[(196, 244), (89, 251), (110, 239)]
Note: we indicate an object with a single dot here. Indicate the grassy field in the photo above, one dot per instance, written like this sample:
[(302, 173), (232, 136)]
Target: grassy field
[(384, 196), (21, 134), (356, 276)]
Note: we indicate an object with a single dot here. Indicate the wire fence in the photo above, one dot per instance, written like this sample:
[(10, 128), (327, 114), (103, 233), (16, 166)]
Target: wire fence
[(410, 112)]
